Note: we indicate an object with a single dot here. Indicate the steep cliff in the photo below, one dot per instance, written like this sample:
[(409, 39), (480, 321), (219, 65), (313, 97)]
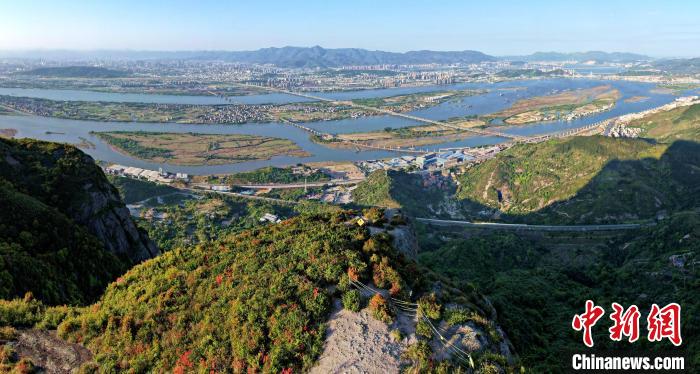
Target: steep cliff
[(64, 232)]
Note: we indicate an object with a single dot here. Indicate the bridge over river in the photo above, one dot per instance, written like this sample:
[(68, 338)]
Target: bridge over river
[(482, 132)]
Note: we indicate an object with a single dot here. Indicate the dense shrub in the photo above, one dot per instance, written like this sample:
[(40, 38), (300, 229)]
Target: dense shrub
[(456, 316), (7, 333), (419, 353), (429, 307), (352, 300), (380, 309), (423, 329)]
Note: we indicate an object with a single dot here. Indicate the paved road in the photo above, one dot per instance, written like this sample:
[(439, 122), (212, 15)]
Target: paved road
[(524, 227), (251, 197), (276, 186), (300, 185)]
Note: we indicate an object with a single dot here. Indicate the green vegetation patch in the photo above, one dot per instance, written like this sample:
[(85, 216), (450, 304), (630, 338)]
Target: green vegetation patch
[(414, 194), (680, 123), (136, 148), (583, 180), (252, 301), (271, 174), (375, 191), (199, 149)]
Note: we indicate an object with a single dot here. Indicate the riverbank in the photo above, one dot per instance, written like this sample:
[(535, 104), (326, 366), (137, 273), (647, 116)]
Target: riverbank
[(405, 137), (567, 105), (199, 149), (8, 133), (228, 113)]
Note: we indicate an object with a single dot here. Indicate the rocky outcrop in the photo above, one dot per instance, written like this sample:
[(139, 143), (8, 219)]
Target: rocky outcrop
[(105, 216), (49, 353), (63, 177)]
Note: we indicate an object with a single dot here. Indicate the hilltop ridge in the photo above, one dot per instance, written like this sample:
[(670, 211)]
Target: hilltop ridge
[(65, 232)]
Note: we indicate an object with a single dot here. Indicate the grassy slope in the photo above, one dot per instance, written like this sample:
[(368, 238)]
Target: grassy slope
[(375, 191), (680, 123), (585, 179), (256, 300), (395, 189)]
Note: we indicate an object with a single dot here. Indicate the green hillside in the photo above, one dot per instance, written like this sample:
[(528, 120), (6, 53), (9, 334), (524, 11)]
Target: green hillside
[(64, 232), (44, 252), (254, 301), (375, 191), (681, 123), (537, 288), (586, 180), (410, 192)]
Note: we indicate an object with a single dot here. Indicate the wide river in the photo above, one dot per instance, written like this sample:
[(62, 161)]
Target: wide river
[(499, 96)]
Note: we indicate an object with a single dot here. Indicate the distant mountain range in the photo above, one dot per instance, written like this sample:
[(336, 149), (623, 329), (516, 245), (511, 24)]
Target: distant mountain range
[(679, 66), (597, 56), (322, 57), (75, 72), (289, 57), (319, 57)]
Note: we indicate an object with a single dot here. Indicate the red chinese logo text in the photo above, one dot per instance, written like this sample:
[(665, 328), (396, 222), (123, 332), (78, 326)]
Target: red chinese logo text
[(587, 320), (662, 323), (626, 323), (665, 323)]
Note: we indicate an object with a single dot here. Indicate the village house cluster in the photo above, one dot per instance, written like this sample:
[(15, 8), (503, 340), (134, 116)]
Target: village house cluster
[(159, 176), (234, 113), (433, 160)]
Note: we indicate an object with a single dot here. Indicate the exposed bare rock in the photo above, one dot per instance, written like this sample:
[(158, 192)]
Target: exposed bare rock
[(357, 343), (106, 217), (51, 354), (404, 240)]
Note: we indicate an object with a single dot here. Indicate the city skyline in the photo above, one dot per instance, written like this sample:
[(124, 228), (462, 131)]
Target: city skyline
[(502, 29)]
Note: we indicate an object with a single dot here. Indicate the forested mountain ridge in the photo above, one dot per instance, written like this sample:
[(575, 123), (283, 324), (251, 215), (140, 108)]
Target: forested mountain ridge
[(64, 231), (67, 179), (287, 57)]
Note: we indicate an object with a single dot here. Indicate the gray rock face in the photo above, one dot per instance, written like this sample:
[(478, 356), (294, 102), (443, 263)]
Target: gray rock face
[(105, 216)]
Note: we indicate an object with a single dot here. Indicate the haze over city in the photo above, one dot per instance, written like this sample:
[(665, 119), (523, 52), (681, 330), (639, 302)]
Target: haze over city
[(498, 28)]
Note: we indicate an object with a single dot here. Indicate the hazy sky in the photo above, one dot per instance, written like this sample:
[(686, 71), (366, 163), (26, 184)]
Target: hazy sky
[(657, 28)]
